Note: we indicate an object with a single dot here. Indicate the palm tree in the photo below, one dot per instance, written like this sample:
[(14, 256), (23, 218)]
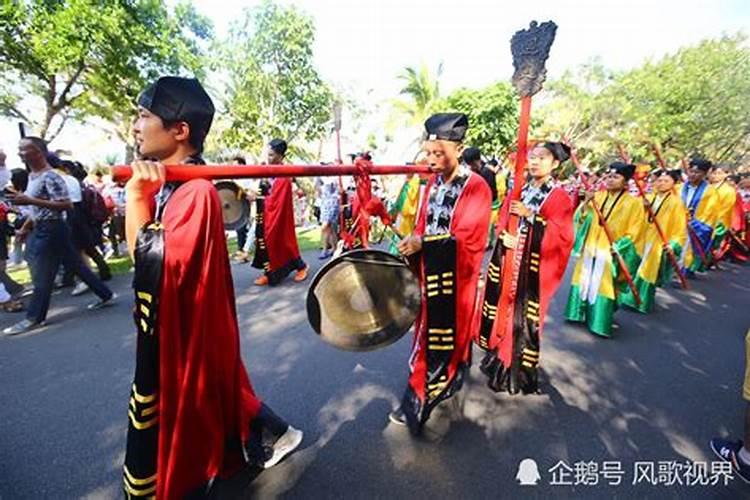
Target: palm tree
[(422, 90)]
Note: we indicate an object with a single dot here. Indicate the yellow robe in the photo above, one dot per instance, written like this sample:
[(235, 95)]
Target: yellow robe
[(655, 268), (597, 279), (703, 223)]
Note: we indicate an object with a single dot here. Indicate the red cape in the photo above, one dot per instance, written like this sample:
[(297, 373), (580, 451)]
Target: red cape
[(205, 396), (470, 227), (556, 246), (278, 225)]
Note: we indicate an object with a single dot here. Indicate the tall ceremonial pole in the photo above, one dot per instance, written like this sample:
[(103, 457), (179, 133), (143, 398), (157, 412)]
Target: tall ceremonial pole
[(607, 231), (530, 49)]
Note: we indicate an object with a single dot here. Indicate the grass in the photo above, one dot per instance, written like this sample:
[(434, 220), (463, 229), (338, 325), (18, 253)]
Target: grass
[(307, 238)]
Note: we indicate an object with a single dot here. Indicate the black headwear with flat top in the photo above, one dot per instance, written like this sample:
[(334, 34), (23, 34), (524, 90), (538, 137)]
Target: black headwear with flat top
[(624, 169), (446, 127), (177, 99)]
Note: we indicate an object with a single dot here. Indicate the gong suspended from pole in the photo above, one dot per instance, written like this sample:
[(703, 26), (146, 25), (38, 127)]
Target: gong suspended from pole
[(363, 300), (235, 208)]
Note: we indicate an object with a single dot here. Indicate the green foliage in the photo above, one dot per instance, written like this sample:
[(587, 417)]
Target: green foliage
[(273, 89), (693, 101), (422, 92), (493, 116), (81, 58)]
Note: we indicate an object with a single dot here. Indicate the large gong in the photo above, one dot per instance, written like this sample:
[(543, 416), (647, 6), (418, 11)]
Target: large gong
[(363, 300), (235, 208)]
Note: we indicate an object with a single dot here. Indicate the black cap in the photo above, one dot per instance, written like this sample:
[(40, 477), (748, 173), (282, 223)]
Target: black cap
[(472, 154), (624, 169), (278, 145), (674, 173), (177, 99), (701, 163), (446, 127), (560, 151)]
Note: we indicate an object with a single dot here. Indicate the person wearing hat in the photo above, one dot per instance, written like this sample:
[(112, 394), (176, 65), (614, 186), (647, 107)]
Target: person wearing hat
[(542, 247), (655, 268), (447, 246), (700, 199), (726, 198), (597, 279), (276, 249), (193, 414)]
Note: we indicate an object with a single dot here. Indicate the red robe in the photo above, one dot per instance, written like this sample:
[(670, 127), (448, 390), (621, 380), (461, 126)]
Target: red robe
[(205, 400), (739, 242), (278, 253), (469, 227), (556, 245)]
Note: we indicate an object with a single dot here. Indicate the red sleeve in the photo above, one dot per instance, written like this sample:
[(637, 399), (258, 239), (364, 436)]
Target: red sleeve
[(558, 239)]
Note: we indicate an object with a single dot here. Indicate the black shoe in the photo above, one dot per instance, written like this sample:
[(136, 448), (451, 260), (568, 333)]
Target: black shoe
[(397, 416), (729, 452)]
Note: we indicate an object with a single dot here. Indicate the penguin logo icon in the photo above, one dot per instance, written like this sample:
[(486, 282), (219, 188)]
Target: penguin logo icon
[(528, 472)]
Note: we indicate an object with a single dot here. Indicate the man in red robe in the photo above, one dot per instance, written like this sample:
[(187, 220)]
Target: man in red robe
[(511, 338), (193, 414), (276, 250), (448, 243)]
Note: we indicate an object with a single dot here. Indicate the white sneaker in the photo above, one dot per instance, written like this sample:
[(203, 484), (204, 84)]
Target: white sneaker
[(285, 445), (80, 289)]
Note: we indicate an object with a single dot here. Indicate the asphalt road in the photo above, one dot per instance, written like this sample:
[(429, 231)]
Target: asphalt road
[(655, 392)]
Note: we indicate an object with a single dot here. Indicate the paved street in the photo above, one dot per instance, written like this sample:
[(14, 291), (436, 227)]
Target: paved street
[(657, 391)]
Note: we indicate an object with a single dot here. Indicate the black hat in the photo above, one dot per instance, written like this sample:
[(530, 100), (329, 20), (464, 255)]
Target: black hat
[(624, 169), (674, 173), (446, 127), (560, 151), (701, 163), (472, 154), (493, 162), (177, 99), (279, 146)]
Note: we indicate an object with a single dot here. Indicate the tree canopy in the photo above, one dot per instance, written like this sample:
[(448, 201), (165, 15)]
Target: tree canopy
[(273, 88), (81, 58)]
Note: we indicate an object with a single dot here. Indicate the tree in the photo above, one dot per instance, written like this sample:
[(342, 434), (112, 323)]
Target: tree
[(422, 91), (273, 89), (493, 116), (693, 101), (64, 59)]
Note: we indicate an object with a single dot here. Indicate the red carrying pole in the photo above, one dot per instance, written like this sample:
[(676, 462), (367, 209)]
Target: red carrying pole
[(607, 231), (216, 172)]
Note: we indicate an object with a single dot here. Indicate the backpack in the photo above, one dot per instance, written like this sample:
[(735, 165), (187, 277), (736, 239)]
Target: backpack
[(95, 206)]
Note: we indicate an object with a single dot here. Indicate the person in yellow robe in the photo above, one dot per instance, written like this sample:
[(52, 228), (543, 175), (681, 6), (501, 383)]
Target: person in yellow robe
[(700, 199), (597, 280), (407, 206), (726, 198), (655, 268)]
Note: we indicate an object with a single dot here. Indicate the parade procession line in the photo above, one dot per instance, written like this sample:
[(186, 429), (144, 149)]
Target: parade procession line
[(656, 392)]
